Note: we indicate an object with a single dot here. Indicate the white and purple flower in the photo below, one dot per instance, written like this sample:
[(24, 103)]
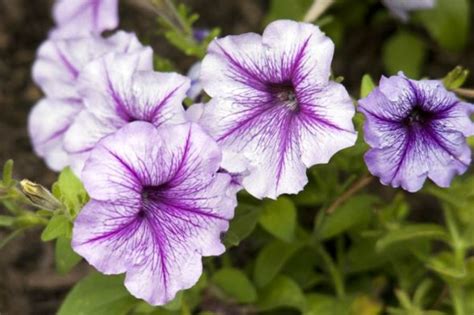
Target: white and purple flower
[(115, 92), (56, 71), (402, 8), (274, 110), (158, 204), (79, 18), (417, 129)]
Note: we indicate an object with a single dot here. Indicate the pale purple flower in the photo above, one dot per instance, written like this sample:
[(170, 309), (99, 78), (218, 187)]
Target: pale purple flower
[(157, 206), (401, 8), (274, 110), (116, 93), (194, 74), (417, 129), (76, 18), (56, 70)]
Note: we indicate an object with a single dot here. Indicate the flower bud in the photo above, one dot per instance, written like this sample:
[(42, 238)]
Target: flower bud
[(39, 195)]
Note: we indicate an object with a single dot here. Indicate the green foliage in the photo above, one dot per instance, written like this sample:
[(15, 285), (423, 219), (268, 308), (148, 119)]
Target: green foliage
[(366, 86), (455, 78), (235, 284), (7, 173), (98, 295), (448, 23), (279, 218), (65, 257), (271, 260), (281, 292), (405, 52), (283, 9), (70, 191), (176, 24), (243, 223), (58, 226)]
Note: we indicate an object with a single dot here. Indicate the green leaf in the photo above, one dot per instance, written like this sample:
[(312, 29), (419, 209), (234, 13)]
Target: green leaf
[(271, 260), (70, 191), (448, 23), (366, 86), (243, 223), (6, 221), (65, 257), (279, 218), (98, 294), (58, 226), (284, 9), (320, 304), (455, 78), (235, 284), (354, 212), (281, 292), (405, 52), (410, 233), (444, 264), (7, 173)]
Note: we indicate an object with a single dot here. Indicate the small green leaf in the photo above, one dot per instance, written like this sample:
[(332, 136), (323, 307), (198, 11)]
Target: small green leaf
[(65, 257), (448, 23), (404, 52), (284, 9), (6, 221), (98, 294), (354, 212), (281, 292), (455, 78), (279, 218), (70, 191), (271, 260), (58, 226), (320, 304), (7, 173), (235, 284), (243, 223), (412, 232), (366, 86), (444, 264)]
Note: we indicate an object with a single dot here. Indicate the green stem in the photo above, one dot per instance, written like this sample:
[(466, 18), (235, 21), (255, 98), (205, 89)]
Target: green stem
[(334, 272), (459, 249)]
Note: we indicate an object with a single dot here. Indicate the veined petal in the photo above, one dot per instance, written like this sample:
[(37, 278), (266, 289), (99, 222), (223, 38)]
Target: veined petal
[(158, 234), (84, 17), (47, 123)]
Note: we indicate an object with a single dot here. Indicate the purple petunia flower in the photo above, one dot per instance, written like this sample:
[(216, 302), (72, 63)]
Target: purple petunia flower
[(56, 71), (84, 17), (194, 74), (401, 8), (274, 110), (157, 206), (116, 93), (417, 129)]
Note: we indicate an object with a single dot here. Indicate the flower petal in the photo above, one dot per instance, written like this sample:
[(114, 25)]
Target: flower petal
[(84, 17), (157, 238), (48, 122)]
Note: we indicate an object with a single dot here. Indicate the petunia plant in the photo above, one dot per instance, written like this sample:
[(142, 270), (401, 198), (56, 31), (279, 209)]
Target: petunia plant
[(258, 182)]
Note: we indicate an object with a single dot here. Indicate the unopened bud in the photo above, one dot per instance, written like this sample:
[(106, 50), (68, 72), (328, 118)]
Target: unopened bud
[(39, 195)]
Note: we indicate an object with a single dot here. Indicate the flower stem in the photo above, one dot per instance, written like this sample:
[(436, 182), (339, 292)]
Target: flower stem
[(334, 272), (317, 9), (358, 185)]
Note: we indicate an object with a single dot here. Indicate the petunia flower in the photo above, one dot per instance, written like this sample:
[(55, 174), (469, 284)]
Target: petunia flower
[(79, 18), (56, 69), (115, 92), (273, 109), (401, 8), (157, 206), (194, 74), (417, 129)]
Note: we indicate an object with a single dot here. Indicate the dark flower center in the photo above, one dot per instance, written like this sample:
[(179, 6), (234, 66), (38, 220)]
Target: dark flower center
[(150, 195), (417, 116), (284, 93)]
